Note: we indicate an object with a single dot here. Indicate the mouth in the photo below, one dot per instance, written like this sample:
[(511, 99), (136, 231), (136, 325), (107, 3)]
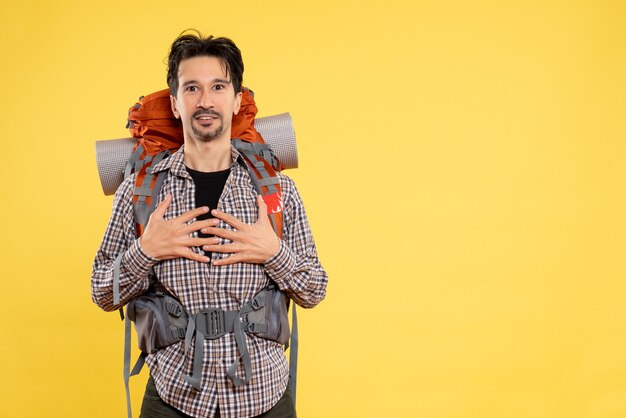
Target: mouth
[(205, 118)]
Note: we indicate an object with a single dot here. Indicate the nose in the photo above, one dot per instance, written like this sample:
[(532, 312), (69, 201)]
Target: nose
[(205, 101)]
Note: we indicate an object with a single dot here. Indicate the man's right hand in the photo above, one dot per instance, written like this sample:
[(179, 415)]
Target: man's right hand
[(169, 239)]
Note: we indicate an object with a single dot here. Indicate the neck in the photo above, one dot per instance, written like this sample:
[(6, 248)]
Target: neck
[(208, 156)]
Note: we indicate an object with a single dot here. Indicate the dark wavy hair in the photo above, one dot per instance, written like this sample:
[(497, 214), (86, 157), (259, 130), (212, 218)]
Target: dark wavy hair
[(189, 45)]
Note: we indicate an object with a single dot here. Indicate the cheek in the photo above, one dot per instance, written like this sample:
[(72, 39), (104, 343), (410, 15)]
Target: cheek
[(183, 109)]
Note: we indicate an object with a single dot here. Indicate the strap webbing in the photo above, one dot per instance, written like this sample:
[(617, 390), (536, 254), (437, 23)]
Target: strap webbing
[(198, 355), (260, 175), (251, 151), (263, 150), (293, 353), (266, 177), (136, 368), (156, 190), (242, 347), (269, 180), (232, 323), (145, 190), (116, 278), (127, 364), (132, 162)]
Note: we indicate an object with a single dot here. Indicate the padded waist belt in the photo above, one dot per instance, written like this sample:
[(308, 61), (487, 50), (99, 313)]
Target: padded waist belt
[(264, 316)]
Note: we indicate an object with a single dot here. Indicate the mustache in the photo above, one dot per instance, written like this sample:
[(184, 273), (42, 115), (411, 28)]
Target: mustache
[(210, 112)]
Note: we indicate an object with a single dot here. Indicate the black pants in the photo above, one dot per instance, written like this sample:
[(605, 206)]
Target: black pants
[(154, 407)]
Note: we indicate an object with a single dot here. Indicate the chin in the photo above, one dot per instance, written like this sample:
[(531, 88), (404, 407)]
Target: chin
[(207, 135)]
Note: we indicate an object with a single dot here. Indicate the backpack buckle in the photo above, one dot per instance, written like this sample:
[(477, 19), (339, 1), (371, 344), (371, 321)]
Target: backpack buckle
[(211, 323)]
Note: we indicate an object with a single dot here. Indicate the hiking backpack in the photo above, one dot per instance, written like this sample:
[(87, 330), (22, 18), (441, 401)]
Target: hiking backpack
[(159, 135)]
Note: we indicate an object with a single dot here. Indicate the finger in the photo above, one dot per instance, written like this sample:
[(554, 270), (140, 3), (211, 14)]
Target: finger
[(199, 242), (236, 258), (195, 256), (221, 232), (229, 219), (161, 208), (193, 213), (223, 248), (263, 218), (198, 225)]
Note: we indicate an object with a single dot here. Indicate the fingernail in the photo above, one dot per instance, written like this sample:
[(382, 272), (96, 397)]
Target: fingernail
[(205, 209), (214, 211)]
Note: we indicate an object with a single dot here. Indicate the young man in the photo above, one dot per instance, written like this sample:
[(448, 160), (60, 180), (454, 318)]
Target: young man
[(210, 243)]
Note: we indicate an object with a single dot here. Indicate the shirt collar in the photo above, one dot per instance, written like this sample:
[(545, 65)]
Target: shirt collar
[(176, 162)]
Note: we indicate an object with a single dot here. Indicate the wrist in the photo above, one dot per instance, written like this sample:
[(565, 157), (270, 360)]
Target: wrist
[(281, 264), (146, 247), (273, 249), (137, 261)]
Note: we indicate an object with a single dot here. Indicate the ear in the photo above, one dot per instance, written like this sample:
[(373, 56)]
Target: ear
[(238, 97), (174, 107)]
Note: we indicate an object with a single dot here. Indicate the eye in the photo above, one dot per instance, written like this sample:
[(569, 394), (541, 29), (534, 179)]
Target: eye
[(219, 87), (191, 88)]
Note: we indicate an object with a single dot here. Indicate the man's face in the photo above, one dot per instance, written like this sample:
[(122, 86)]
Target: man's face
[(206, 100)]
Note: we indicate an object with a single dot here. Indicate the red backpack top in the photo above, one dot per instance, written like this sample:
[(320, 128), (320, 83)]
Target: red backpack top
[(152, 122), (160, 134)]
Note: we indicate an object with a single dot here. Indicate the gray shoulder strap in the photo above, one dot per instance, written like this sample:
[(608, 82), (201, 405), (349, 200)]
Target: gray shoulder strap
[(250, 150), (134, 162), (263, 150), (142, 210)]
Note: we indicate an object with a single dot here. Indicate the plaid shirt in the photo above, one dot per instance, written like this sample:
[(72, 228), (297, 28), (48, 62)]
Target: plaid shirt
[(295, 268)]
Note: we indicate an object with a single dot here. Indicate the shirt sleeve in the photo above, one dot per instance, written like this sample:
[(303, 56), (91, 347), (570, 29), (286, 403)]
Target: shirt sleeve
[(295, 267), (120, 238)]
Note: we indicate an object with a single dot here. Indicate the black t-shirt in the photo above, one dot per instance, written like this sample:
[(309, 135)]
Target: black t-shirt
[(209, 187)]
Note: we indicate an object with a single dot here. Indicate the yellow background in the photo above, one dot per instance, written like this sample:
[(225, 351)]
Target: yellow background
[(461, 162)]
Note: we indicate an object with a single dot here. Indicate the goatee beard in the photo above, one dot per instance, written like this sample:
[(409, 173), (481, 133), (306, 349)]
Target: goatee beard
[(206, 135)]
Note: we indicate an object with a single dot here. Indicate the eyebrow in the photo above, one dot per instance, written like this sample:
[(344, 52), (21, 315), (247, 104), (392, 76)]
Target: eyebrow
[(217, 80)]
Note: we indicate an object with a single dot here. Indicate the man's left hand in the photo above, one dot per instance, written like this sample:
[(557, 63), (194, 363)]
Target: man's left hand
[(254, 243)]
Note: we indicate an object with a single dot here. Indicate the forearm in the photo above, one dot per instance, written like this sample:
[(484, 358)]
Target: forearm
[(134, 268), (119, 238), (300, 275), (296, 268)]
